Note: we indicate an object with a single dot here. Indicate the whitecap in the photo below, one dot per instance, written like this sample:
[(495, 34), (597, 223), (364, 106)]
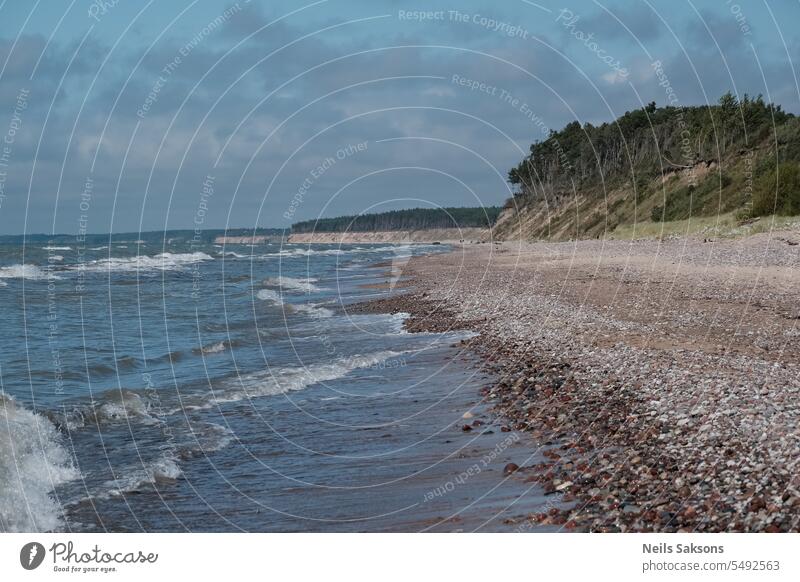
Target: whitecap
[(160, 262), (312, 309), (305, 285), (27, 271), (213, 348), (270, 295), (281, 380), (162, 470), (33, 461)]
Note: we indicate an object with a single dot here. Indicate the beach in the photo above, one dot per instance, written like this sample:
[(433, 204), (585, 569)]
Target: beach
[(240, 396), (656, 381)]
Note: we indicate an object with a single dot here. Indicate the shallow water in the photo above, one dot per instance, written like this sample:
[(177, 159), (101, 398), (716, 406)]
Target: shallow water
[(154, 387)]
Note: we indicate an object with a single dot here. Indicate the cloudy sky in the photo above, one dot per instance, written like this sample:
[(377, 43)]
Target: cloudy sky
[(126, 116)]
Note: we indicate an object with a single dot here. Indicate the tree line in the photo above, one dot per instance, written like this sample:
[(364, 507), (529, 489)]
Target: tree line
[(646, 143), (408, 219)]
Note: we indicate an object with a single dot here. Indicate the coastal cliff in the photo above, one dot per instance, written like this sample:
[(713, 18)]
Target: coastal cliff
[(657, 170), (396, 236)]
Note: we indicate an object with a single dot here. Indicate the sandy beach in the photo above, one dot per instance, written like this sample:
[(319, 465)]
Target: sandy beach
[(659, 379)]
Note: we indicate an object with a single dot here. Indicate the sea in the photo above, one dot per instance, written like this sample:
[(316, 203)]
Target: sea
[(158, 384)]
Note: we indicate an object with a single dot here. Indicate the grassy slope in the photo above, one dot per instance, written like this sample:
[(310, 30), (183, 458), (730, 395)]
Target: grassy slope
[(664, 205)]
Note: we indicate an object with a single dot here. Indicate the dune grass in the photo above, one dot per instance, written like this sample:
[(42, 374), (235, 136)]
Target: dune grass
[(722, 226)]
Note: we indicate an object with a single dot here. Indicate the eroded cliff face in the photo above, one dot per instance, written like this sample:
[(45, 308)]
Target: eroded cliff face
[(444, 235), (596, 209)]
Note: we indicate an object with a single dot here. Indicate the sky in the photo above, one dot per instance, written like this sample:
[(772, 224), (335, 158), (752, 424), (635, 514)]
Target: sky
[(121, 115)]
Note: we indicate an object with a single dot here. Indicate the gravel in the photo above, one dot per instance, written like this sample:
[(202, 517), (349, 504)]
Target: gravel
[(660, 377)]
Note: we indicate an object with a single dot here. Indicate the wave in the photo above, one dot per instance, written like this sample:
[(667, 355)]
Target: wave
[(312, 309), (398, 322), (162, 470), (305, 252), (33, 461), (27, 271), (305, 285), (270, 295), (109, 407), (49, 248), (160, 262), (290, 379), (216, 348)]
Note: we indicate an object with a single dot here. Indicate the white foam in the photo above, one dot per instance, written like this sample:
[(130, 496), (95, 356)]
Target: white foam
[(290, 379), (161, 262), (270, 295), (32, 463), (312, 309), (56, 248), (213, 348), (398, 321), (109, 407), (32, 272), (310, 252), (291, 284), (164, 469)]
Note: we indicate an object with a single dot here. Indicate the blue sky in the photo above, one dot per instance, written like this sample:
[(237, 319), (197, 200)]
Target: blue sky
[(146, 101)]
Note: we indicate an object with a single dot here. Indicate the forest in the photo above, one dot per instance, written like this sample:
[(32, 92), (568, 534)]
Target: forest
[(751, 147), (409, 219)]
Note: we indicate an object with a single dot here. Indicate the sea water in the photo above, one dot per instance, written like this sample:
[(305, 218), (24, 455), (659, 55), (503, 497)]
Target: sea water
[(160, 385)]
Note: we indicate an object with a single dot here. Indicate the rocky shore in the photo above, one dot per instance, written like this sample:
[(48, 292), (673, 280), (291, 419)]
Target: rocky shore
[(659, 378)]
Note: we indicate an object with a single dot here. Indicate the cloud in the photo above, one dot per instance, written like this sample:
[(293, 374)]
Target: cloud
[(260, 125), (629, 22)]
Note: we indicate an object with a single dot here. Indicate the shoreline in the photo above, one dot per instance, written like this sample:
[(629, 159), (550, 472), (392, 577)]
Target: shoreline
[(665, 392), (424, 236)]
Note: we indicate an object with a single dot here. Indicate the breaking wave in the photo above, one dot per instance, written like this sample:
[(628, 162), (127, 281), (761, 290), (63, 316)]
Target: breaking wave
[(290, 379), (162, 470), (270, 295), (24, 272), (33, 462), (312, 309), (160, 262), (216, 348), (108, 407), (291, 284)]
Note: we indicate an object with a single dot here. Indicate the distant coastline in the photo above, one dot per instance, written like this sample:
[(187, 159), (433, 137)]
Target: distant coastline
[(431, 235)]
